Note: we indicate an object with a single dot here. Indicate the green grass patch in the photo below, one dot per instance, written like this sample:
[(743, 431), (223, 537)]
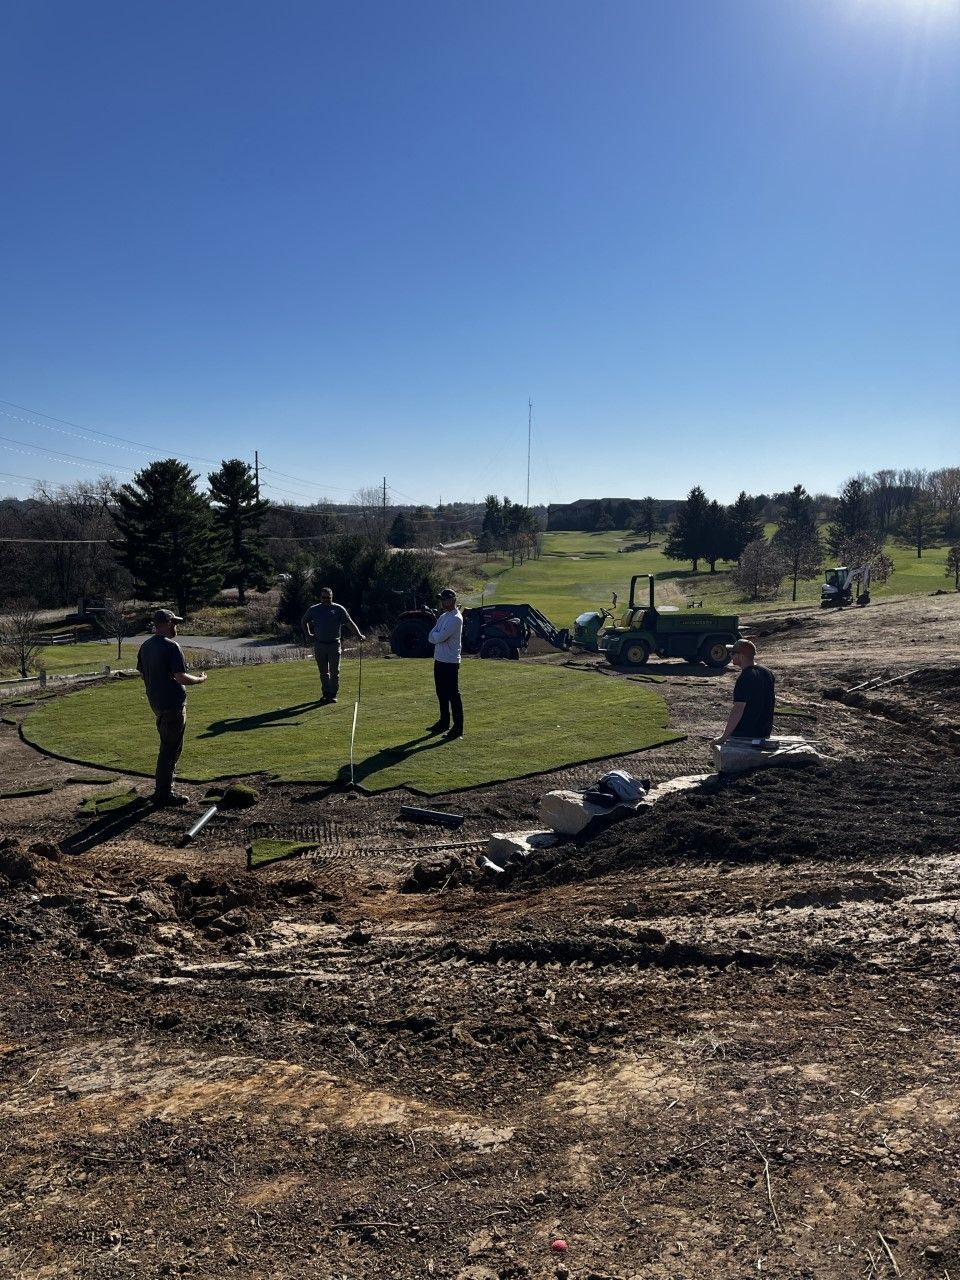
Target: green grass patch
[(238, 796), (84, 658), (88, 780), (785, 709), (25, 791), (110, 804), (263, 851), (580, 571), (521, 718)]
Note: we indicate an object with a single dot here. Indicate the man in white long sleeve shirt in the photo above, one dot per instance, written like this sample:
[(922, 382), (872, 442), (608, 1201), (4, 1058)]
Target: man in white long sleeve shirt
[(445, 638)]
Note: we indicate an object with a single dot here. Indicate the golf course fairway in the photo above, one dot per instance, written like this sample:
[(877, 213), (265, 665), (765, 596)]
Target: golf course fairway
[(521, 718)]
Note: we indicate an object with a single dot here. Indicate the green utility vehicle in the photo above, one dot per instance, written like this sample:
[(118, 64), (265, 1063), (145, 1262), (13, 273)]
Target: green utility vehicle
[(668, 632)]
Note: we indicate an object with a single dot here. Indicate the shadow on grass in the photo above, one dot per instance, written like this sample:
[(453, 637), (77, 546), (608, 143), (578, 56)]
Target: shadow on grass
[(265, 720), (113, 824), (389, 756), (375, 763)]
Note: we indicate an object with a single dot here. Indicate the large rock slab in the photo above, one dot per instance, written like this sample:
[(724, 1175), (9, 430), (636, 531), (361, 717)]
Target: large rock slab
[(509, 846), (737, 756), (568, 812)]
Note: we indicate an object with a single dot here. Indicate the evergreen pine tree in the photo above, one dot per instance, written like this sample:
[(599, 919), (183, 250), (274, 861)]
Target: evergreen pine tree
[(167, 537), (743, 527), (401, 533), (239, 513), (296, 595), (854, 517), (798, 538), (686, 538)]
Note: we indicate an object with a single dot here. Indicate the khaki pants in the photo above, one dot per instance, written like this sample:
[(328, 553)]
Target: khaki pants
[(170, 726), (328, 664)]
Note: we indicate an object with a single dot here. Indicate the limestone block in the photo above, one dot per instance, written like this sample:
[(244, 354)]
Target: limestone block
[(737, 756), (505, 846), (689, 782), (567, 812)]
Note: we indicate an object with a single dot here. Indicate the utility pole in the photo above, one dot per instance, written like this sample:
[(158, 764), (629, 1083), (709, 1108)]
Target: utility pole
[(256, 472), (529, 438)]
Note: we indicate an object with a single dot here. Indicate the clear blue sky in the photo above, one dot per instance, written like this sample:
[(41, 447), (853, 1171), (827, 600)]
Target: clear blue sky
[(715, 241)]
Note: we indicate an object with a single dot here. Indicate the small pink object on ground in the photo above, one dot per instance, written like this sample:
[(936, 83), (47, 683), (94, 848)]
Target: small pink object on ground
[(559, 1246)]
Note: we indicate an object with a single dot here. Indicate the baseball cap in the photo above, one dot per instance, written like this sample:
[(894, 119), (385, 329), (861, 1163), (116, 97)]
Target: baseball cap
[(448, 594), (166, 615)]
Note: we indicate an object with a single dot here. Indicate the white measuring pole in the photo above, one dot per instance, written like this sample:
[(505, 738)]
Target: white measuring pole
[(353, 734)]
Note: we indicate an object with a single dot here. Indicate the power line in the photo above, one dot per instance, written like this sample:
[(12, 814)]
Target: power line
[(313, 484), (139, 444), (57, 455)]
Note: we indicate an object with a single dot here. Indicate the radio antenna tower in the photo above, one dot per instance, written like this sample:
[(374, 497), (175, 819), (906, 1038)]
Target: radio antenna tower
[(529, 439)]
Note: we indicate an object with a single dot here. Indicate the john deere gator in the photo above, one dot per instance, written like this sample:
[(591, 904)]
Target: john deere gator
[(668, 632)]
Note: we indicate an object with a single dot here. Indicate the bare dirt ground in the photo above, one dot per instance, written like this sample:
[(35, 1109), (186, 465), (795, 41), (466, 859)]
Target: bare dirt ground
[(717, 1040)]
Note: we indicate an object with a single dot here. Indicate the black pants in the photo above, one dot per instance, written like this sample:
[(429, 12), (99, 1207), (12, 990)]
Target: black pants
[(446, 677), (171, 726)]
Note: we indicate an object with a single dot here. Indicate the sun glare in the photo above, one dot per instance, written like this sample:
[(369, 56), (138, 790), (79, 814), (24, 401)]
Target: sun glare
[(914, 10)]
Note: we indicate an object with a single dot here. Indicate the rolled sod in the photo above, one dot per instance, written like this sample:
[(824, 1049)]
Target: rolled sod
[(521, 718)]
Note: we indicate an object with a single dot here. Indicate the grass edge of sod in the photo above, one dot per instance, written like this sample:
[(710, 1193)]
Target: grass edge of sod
[(285, 849), (25, 791), (116, 803), (642, 720)]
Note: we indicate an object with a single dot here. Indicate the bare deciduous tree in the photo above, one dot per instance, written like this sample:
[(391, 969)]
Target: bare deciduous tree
[(953, 566), (19, 635), (945, 487), (375, 516), (760, 570), (112, 621), (866, 548)]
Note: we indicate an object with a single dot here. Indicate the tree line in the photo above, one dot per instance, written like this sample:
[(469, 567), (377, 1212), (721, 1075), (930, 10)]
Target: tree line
[(161, 537), (918, 509), (64, 543)]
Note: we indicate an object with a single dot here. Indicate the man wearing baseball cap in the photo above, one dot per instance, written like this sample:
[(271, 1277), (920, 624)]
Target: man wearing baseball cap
[(754, 695), (160, 662), (445, 638)]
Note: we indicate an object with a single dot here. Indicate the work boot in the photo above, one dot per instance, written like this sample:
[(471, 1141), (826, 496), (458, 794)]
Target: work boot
[(172, 800), (439, 727)]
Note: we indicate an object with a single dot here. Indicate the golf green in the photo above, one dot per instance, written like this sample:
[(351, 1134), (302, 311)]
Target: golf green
[(521, 718)]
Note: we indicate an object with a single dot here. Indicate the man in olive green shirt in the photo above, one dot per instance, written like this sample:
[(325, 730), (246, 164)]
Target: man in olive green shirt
[(323, 624)]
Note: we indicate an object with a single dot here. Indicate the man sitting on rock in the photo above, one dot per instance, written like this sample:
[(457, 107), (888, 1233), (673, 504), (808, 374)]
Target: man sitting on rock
[(751, 715)]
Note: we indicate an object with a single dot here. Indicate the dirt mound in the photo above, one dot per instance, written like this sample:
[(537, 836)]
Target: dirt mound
[(828, 813), (942, 683)]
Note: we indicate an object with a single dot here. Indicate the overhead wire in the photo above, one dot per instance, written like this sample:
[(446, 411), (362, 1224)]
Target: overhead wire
[(71, 459), (15, 475), (313, 484), (138, 444)]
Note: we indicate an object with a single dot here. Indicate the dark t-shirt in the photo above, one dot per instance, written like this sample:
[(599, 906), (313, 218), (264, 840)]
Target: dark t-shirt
[(326, 621), (159, 658), (755, 687)]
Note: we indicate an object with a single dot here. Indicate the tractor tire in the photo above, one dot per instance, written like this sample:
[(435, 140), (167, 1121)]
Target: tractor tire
[(714, 652), (494, 648), (408, 639), (635, 653)]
